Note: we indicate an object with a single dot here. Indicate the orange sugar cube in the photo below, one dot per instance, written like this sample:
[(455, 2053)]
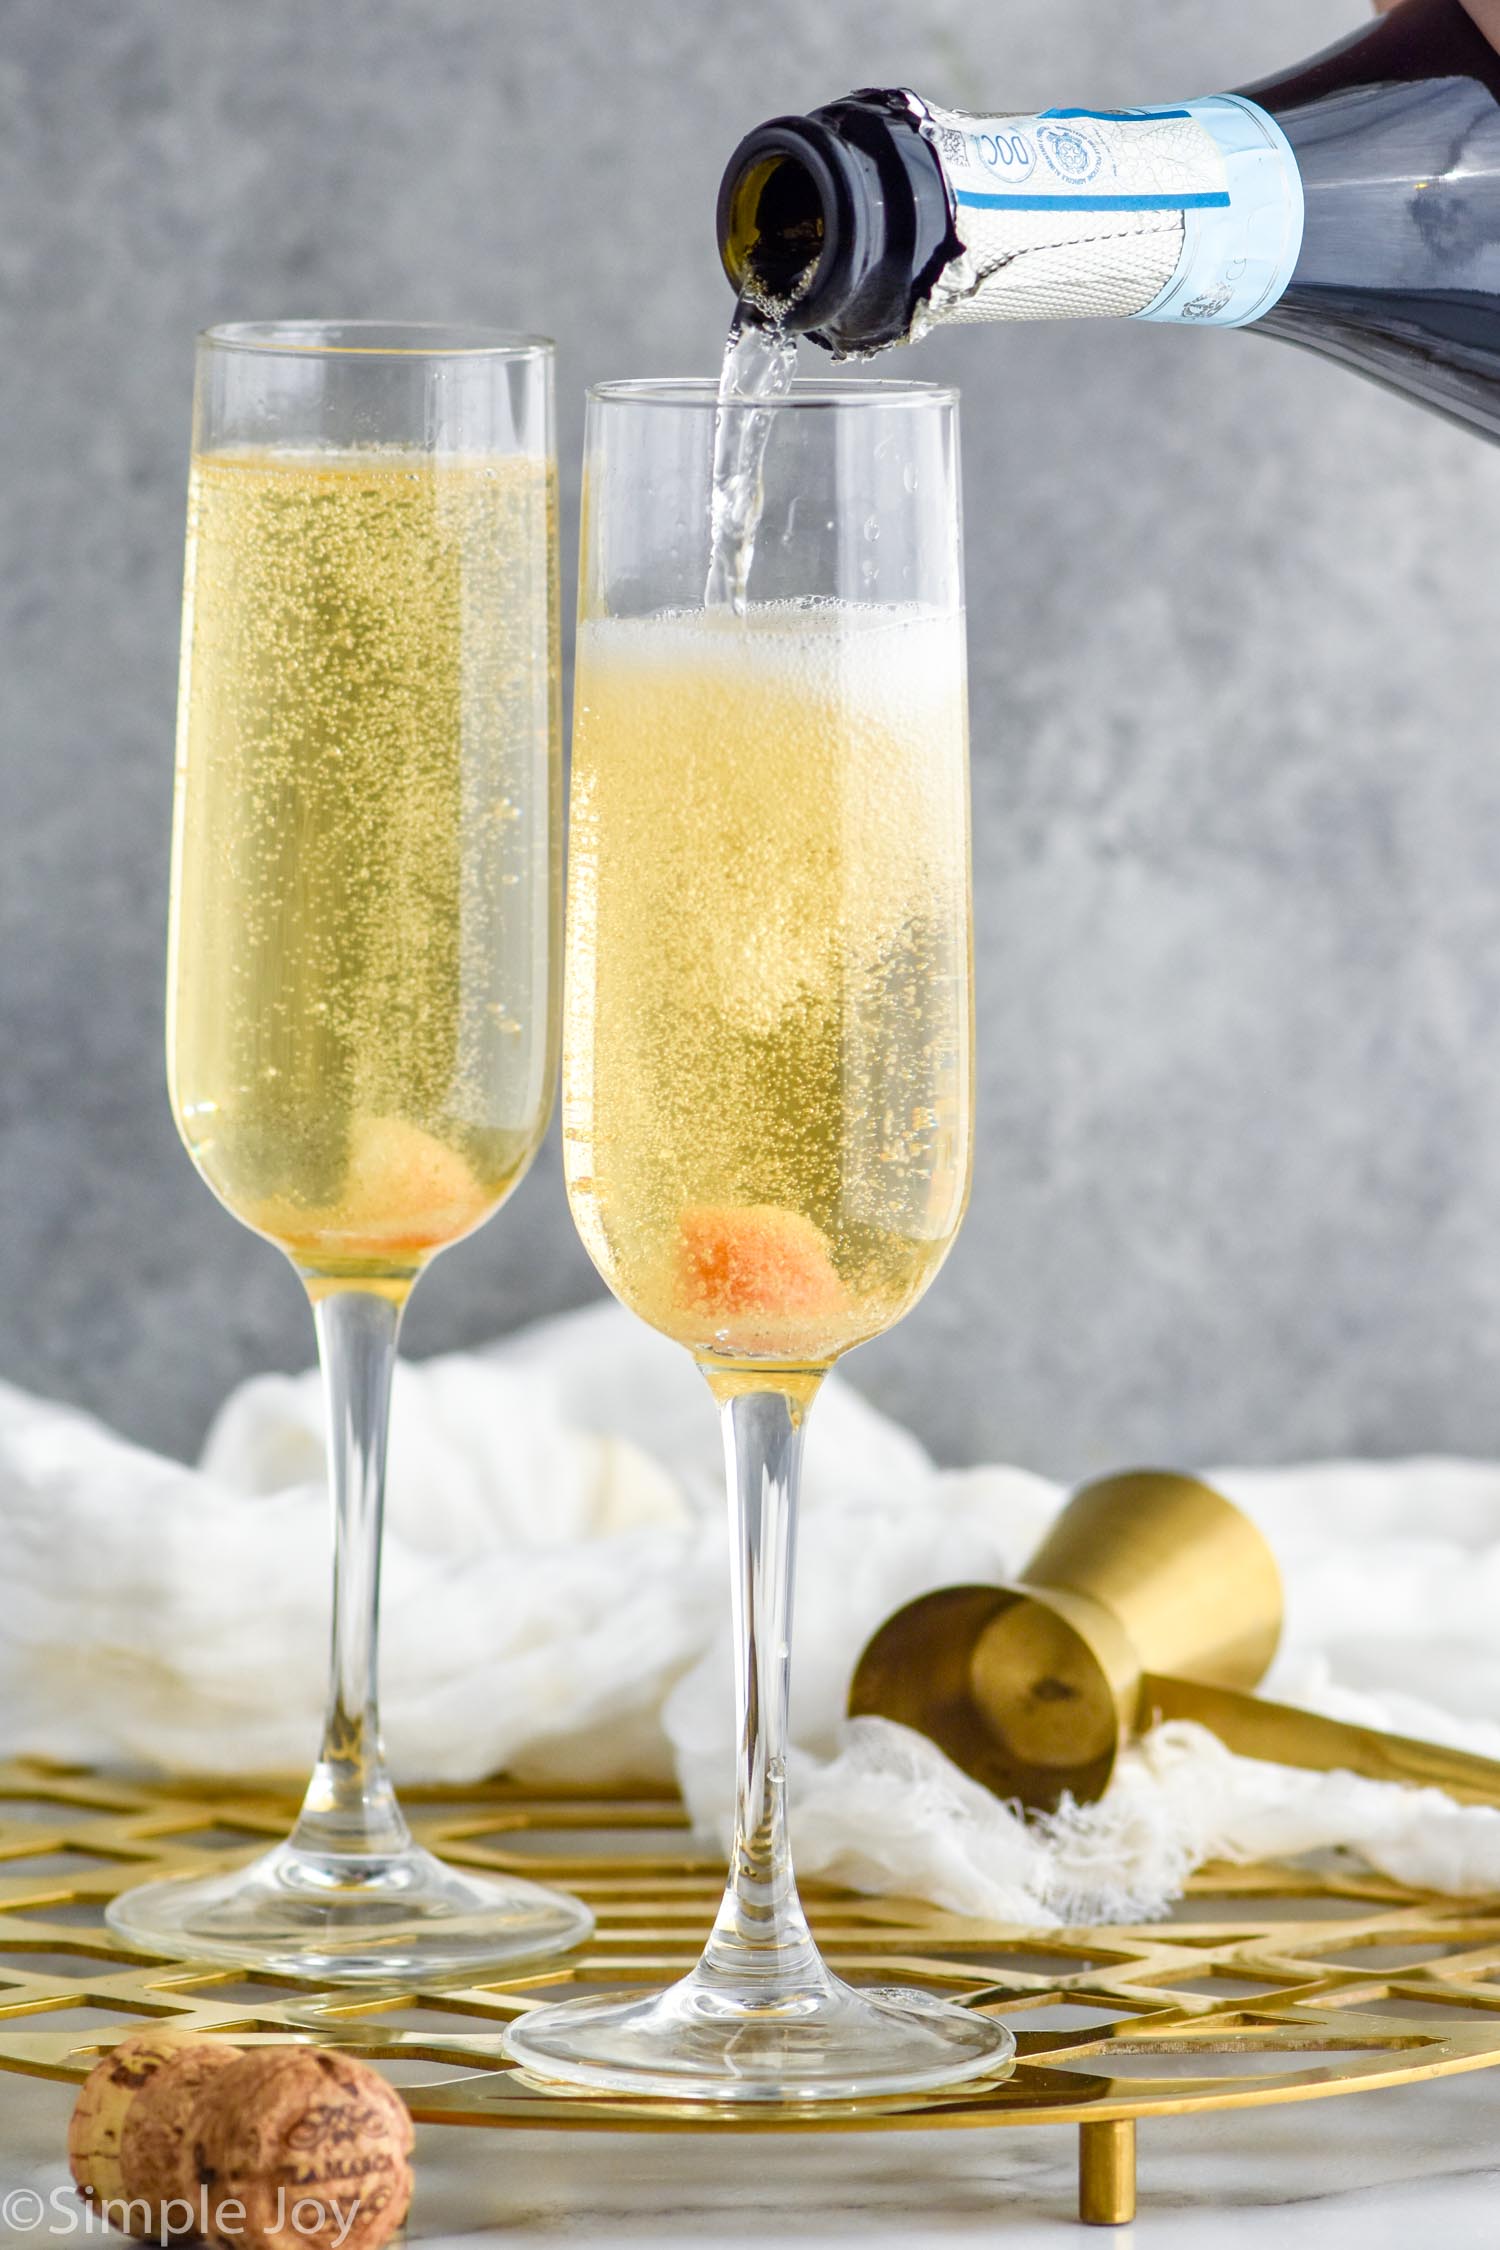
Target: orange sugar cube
[(757, 1260), (407, 1189)]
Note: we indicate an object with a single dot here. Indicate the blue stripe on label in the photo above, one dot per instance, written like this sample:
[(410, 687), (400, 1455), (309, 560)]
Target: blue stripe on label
[(1209, 201), (1118, 116)]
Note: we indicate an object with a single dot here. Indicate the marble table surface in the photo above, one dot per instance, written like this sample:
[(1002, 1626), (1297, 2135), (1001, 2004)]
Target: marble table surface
[(1413, 2165)]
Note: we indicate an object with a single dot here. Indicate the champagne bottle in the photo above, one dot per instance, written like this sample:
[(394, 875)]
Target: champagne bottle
[(1350, 205)]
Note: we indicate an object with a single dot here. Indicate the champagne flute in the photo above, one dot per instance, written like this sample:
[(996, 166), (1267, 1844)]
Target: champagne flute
[(361, 987), (766, 1077)]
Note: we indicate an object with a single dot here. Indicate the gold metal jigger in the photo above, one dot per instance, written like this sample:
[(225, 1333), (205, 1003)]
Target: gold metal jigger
[(1152, 1597)]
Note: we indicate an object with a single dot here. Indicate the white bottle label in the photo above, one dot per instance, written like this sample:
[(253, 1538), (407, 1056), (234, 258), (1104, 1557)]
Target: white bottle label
[(1187, 214)]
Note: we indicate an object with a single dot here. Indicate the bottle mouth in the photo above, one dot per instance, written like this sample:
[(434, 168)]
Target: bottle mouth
[(786, 220), (836, 224)]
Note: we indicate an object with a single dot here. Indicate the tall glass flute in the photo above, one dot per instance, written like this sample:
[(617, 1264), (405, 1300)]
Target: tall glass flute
[(361, 1003), (766, 1092)]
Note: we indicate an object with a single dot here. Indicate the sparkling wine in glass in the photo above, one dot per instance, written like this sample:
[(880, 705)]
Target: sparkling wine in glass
[(361, 1002), (766, 1104)]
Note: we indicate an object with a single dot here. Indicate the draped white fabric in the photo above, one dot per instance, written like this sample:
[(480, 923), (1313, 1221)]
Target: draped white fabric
[(555, 1603)]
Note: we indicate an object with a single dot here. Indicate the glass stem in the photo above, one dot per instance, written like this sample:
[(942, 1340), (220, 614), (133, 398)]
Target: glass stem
[(761, 1933), (350, 1809)]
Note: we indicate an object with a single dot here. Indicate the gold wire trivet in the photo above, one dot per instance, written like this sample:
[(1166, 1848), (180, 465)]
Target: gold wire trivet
[(1269, 1984)]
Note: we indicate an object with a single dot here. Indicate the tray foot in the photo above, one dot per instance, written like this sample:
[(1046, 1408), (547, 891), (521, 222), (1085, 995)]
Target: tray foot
[(1106, 2173)]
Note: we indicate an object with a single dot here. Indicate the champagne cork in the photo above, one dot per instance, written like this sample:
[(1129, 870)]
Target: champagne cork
[(162, 2196), (298, 2148), (105, 2101)]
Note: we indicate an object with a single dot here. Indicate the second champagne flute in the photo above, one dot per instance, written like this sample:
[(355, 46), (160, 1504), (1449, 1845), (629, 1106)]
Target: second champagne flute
[(361, 1005), (766, 1087)]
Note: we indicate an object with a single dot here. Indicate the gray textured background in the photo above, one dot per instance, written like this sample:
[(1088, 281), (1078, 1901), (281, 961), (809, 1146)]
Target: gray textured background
[(1235, 669)]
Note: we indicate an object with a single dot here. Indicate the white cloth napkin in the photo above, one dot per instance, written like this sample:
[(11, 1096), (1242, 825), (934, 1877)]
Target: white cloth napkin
[(555, 1604)]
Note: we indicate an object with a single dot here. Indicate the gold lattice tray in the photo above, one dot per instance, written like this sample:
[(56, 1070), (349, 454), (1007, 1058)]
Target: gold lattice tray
[(1270, 1984)]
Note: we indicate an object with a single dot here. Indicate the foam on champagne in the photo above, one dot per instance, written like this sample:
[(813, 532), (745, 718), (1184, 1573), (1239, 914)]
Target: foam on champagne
[(766, 1107)]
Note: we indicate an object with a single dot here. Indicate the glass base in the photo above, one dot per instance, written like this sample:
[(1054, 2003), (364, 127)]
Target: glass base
[(828, 2042), (403, 1917)]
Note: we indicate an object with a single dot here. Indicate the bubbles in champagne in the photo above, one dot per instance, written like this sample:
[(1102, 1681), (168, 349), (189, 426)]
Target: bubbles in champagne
[(365, 850), (767, 1095)]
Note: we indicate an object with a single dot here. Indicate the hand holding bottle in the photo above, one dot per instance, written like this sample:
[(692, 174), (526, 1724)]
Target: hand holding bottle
[(1486, 14)]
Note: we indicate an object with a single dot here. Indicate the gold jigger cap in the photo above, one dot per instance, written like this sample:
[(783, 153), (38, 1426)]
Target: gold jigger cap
[(1034, 1688)]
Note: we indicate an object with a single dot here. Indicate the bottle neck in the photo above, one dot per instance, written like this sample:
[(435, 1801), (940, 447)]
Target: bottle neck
[(1189, 212), (1367, 171)]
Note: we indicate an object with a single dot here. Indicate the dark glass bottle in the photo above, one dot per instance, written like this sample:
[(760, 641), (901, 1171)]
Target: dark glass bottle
[(1351, 205)]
